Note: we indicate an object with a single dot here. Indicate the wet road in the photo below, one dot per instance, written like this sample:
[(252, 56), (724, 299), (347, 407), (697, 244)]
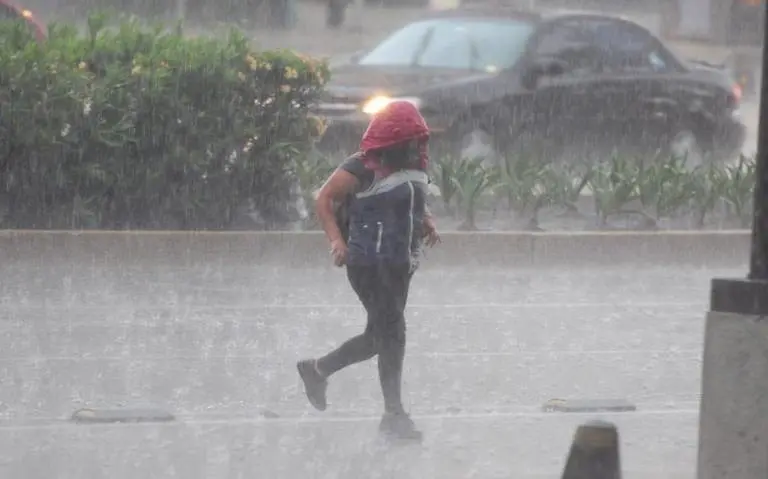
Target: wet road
[(217, 346)]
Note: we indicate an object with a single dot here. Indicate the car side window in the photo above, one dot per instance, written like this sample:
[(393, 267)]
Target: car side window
[(572, 47), (446, 48), (625, 48)]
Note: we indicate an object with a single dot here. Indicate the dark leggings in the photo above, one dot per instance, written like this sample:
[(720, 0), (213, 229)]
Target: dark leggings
[(383, 290)]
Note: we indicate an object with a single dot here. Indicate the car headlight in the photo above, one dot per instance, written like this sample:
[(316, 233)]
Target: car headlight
[(377, 103)]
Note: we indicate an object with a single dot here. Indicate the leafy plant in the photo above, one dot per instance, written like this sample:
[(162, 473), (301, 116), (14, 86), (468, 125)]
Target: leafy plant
[(707, 183), (665, 186), (739, 186), (519, 180), (445, 171), (566, 185), (615, 184), (471, 180)]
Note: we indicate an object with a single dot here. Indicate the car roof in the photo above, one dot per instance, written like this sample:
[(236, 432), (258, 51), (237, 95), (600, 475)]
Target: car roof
[(486, 12), (501, 12)]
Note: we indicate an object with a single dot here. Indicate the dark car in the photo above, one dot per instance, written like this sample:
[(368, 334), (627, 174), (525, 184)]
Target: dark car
[(570, 85), (9, 11)]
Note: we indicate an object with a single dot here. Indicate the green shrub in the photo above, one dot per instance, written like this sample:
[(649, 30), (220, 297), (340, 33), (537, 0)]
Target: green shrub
[(665, 187), (739, 187), (707, 186), (472, 180), (520, 182), (445, 174), (615, 185), (653, 189), (131, 127), (566, 184)]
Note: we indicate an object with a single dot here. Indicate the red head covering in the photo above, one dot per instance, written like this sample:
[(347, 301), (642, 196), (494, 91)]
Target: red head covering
[(398, 122)]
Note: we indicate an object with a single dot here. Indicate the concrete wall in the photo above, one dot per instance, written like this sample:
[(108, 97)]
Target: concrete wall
[(733, 436), (714, 249)]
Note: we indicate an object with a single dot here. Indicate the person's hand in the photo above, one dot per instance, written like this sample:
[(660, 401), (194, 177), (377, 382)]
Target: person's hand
[(431, 236), (339, 252)]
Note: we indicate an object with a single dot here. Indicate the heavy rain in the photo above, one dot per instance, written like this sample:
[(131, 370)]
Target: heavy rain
[(165, 261)]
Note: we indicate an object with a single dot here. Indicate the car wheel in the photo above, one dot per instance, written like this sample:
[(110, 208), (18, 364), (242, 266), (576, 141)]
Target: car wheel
[(464, 140), (491, 135), (684, 144), (477, 144)]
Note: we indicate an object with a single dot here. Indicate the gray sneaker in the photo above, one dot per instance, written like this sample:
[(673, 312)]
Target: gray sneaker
[(315, 384), (399, 426)]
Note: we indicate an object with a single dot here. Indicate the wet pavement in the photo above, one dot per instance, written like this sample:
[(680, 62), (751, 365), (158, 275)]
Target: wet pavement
[(216, 345)]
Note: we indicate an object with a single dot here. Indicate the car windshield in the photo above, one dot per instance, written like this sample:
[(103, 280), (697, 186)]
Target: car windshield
[(486, 45)]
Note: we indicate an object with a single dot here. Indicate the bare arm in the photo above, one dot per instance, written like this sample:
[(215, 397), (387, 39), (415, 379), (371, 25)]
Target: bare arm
[(336, 188), (428, 221), (428, 218), (430, 228)]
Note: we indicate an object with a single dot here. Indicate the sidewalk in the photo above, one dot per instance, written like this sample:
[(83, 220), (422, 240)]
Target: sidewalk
[(215, 341)]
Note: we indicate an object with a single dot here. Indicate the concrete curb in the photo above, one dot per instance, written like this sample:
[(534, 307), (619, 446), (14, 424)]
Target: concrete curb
[(460, 249)]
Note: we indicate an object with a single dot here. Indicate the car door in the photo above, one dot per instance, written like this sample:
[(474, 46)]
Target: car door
[(636, 73), (560, 120)]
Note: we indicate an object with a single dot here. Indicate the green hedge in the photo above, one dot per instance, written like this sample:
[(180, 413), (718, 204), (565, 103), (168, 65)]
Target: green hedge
[(130, 127)]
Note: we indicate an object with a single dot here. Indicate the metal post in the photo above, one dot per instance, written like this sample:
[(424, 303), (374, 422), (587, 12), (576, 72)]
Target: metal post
[(758, 268)]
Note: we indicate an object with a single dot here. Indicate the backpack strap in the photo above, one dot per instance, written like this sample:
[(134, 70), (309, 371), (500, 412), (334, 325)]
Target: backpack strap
[(393, 181)]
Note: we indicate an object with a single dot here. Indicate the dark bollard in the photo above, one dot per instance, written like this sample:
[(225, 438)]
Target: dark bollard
[(594, 453)]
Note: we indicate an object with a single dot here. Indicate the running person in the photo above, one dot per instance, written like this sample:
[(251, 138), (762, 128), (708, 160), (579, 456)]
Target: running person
[(383, 191)]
